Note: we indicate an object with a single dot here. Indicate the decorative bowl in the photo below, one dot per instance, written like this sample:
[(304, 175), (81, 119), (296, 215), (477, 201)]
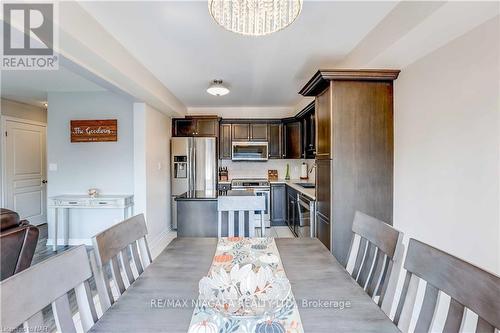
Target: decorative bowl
[(93, 192), (248, 291)]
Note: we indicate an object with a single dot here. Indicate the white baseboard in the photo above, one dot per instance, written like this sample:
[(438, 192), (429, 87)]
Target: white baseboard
[(71, 241), (160, 242)]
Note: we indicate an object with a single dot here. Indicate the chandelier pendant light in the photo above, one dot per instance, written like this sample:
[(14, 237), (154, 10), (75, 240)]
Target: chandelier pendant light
[(254, 17)]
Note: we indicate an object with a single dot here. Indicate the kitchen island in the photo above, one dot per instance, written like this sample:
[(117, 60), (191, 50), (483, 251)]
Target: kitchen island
[(197, 212)]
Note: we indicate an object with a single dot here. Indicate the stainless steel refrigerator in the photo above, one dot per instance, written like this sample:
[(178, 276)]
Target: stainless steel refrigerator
[(193, 167)]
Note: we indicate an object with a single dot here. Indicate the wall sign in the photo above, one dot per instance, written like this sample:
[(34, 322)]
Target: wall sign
[(94, 130)]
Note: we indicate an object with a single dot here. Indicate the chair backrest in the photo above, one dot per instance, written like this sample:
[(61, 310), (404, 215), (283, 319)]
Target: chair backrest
[(123, 245), (468, 286), (25, 294), (239, 212), (373, 258)]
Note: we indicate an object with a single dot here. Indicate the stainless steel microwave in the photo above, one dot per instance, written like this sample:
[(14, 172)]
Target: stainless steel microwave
[(249, 151)]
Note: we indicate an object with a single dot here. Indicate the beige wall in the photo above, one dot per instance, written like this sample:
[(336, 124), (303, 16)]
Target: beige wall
[(446, 181), (24, 111)]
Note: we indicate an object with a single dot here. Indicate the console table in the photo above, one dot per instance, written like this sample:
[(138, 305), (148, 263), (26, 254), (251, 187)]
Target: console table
[(67, 202)]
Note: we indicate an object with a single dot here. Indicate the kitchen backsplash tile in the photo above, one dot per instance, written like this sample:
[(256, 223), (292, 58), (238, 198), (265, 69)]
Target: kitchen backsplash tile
[(259, 169)]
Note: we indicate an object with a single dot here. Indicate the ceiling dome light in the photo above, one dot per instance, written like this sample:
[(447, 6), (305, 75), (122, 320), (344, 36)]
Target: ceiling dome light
[(217, 88), (254, 17)]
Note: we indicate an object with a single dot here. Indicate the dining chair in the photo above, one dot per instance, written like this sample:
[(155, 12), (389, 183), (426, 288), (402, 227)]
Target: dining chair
[(239, 213), (26, 293), (467, 285), (375, 258), (123, 245)]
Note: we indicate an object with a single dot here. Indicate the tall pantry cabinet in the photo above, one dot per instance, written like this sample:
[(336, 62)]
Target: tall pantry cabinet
[(354, 150)]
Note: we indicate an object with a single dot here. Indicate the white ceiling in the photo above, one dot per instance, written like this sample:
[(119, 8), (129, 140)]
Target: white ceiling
[(31, 87), (185, 49)]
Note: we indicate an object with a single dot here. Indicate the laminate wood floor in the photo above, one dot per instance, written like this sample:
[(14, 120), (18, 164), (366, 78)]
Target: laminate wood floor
[(42, 251)]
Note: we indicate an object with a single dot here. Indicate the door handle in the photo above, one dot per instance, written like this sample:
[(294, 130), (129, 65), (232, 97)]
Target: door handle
[(44, 181)]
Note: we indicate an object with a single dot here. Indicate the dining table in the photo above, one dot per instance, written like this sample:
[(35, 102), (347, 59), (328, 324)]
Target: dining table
[(328, 298)]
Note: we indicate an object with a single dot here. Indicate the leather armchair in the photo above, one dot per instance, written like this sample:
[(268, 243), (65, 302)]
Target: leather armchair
[(18, 241)]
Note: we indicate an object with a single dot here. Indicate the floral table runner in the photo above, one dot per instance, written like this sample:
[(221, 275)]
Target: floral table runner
[(235, 256)]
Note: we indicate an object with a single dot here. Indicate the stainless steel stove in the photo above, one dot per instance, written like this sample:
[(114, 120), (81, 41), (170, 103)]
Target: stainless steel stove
[(261, 187), (249, 183)]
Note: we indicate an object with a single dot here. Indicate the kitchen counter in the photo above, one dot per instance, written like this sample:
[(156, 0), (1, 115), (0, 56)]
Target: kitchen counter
[(308, 192)]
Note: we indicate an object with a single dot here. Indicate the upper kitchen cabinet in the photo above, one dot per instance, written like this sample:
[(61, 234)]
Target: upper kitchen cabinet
[(258, 132), (207, 127), (196, 126), (323, 125), (354, 149), (183, 127), (255, 130), (225, 141), (308, 119), (249, 131), (275, 140), (241, 132), (292, 140)]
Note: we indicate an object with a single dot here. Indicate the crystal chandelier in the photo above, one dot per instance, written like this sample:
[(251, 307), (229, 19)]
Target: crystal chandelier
[(254, 17)]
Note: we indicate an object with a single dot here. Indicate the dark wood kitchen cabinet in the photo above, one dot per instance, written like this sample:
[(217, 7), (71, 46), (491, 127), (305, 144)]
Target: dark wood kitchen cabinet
[(258, 132), (354, 150), (323, 228), (195, 126), (323, 201), (309, 136), (250, 131), (275, 140), (307, 118), (323, 186), (207, 127), (323, 125), (241, 132), (278, 204), (292, 140), (183, 127), (225, 144), (292, 210)]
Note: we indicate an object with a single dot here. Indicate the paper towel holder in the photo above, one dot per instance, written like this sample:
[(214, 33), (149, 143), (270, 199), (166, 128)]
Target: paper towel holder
[(304, 174)]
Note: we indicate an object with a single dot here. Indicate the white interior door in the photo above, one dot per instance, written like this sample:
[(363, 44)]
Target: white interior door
[(25, 170)]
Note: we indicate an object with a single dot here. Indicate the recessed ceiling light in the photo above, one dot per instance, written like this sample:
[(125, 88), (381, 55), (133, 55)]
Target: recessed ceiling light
[(217, 88)]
